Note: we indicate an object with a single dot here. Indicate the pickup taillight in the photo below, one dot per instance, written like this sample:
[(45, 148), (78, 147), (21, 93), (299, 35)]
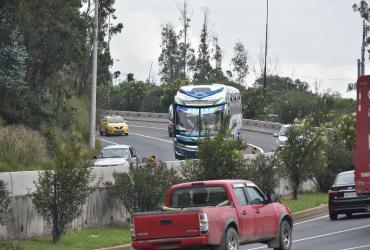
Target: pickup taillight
[(203, 223), (132, 228)]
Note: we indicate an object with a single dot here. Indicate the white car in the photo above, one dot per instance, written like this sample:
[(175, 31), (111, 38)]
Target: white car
[(282, 136), (116, 156)]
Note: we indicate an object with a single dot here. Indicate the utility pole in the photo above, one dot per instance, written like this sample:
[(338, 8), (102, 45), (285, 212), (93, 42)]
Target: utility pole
[(93, 78), (364, 34), (264, 70)]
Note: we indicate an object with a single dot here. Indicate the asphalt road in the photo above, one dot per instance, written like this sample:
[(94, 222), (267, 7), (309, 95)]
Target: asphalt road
[(319, 233), (150, 138)]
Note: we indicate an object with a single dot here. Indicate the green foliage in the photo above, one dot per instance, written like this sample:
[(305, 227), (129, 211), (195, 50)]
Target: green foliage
[(302, 155), (144, 187), (339, 159), (4, 202), (218, 158), (64, 187), (239, 62), (203, 68), (346, 130), (170, 61), (128, 96), (21, 146), (263, 171)]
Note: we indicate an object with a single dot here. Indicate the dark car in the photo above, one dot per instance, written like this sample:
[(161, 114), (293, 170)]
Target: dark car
[(343, 198)]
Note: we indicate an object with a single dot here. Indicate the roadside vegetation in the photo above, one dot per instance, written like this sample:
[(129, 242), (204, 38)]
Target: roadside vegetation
[(86, 239)]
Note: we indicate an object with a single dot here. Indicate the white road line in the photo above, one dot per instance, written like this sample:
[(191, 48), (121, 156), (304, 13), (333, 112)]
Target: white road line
[(260, 149), (324, 235), (108, 141), (356, 247), (318, 218), (330, 234), (154, 138), (136, 126)]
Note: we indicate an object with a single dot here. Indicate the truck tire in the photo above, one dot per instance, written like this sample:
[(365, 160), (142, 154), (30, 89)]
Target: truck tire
[(285, 236), (230, 240)]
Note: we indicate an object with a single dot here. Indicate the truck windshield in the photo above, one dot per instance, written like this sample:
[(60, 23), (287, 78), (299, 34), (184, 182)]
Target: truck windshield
[(198, 196), (194, 121)]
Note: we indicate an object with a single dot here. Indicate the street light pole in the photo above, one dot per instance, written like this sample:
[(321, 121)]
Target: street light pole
[(264, 70), (93, 78)]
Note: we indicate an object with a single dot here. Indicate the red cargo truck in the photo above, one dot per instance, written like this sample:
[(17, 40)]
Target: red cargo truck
[(362, 150), (219, 214)]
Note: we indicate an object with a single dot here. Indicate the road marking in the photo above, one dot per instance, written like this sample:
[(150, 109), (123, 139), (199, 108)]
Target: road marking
[(324, 235), (356, 247), (333, 233), (318, 218), (136, 126), (154, 138), (108, 141)]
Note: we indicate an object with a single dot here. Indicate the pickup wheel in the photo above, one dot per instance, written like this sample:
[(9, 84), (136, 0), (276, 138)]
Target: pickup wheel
[(285, 236), (230, 241), (333, 215)]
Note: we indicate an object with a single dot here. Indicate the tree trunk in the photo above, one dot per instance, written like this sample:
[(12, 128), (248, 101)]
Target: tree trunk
[(295, 191)]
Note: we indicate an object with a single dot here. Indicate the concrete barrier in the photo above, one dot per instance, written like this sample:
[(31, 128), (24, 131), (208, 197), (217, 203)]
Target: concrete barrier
[(248, 124)]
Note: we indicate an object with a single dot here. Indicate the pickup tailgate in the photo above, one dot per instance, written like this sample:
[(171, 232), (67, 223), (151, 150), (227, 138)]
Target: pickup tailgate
[(159, 225)]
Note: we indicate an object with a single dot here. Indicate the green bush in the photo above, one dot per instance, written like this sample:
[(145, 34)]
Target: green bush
[(263, 171), (144, 187), (21, 146), (219, 158)]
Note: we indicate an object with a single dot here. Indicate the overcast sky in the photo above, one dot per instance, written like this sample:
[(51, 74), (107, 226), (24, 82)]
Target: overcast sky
[(313, 40)]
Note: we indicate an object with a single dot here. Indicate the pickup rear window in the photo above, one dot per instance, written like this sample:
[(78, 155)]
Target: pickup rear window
[(198, 196)]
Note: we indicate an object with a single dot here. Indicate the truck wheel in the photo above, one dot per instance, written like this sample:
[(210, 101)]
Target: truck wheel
[(230, 241), (285, 236), (333, 215)]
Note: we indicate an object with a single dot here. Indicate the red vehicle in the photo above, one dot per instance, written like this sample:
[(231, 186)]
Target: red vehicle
[(362, 153), (219, 214)]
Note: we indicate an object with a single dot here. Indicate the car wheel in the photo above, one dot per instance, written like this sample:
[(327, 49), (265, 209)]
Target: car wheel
[(126, 134), (333, 215), (285, 236), (100, 132), (230, 241)]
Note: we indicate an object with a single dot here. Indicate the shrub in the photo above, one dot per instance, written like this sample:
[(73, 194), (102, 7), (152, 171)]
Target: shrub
[(62, 190), (263, 171), (339, 158), (22, 146), (144, 187), (302, 155), (219, 158), (4, 202)]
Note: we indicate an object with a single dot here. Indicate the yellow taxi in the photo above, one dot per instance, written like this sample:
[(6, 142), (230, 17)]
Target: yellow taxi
[(113, 125)]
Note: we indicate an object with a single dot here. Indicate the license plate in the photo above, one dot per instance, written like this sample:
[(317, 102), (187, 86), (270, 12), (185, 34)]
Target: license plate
[(118, 130), (350, 195)]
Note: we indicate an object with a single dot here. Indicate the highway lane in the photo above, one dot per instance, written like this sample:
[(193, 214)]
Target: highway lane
[(319, 233), (151, 138)]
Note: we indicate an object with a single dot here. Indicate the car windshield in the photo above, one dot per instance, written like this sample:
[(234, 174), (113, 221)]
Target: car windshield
[(115, 153), (284, 131), (194, 121), (345, 179), (198, 196), (115, 120)]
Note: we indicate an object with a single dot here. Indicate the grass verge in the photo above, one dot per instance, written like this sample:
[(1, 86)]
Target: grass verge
[(79, 240), (305, 201)]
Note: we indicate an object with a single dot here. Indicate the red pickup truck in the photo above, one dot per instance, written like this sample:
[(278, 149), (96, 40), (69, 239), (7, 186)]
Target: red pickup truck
[(219, 214)]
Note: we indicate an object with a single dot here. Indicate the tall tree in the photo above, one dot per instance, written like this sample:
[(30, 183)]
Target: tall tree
[(240, 62), (170, 58), (186, 51), (203, 67)]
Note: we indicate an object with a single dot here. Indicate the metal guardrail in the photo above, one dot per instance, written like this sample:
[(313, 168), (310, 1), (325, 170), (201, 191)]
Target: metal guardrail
[(248, 124)]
